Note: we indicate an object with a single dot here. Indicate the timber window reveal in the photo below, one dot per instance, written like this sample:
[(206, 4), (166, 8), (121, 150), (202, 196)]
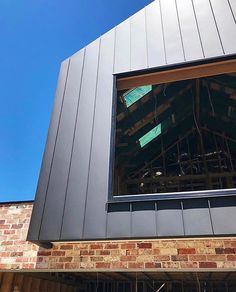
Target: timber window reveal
[(176, 134)]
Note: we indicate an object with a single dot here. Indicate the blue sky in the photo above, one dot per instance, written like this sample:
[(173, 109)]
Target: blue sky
[(36, 35)]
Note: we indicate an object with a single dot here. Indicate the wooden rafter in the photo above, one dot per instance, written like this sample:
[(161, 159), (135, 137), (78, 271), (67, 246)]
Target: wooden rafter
[(155, 113), (184, 73)]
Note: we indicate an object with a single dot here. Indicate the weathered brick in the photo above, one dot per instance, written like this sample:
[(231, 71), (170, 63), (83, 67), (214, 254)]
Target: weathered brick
[(103, 265), (96, 246), (152, 265), (66, 246), (186, 251), (144, 245), (216, 257), (128, 246), (111, 246), (197, 257), (179, 258), (65, 259), (58, 253), (134, 265), (225, 250), (17, 226), (44, 253), (128, 258), (207, 265)]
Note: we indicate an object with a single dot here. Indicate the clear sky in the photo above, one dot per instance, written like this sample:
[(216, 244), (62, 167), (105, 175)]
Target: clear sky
[(36, 35)]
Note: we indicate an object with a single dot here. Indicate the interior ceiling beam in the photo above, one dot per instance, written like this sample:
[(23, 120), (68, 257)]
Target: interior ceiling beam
[(230, 92), (172, 75), (158, 111), (139, 103), (147, 164), (219, 134)]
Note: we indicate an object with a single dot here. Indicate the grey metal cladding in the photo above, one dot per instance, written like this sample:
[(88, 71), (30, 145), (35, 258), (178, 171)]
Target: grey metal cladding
[(232, 4), (223, 214), (39, 202), (73, 186), (172, 34), (154, 30), (226, 24), (189, 30), (97, 189), (208, 30), (170, 219), (57, 186), (196, 216), (138, 41), (79, 172)]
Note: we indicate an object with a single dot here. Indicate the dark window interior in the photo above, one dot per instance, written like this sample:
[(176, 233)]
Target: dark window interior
[(175, 137)]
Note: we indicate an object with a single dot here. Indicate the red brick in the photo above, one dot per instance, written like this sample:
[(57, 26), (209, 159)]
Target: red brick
[(65, 259), (135, 265), (28, 266), (216, 257), (103, 265), (152, 265), (207, 265), (4, 226), (58, 253), (179, 258), (128, 246), (72, 266), (197, 257), (111, 246), (128, 258), (66, 247), (7, 243), (16, 226), (17, 254), (57, 266), (225, 250), (102, 252), (9, 231), (144, 245), (96, 246), (162, 258), (119, 265), (186, 251), (87, 252), (44, 253), (231, 257), (96, 259)]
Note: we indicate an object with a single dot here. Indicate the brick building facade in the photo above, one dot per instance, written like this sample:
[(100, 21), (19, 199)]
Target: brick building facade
[(176, 254)]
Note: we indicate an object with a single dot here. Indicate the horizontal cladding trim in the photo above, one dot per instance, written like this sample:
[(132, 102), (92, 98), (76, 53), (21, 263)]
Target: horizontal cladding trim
[(149, 204)]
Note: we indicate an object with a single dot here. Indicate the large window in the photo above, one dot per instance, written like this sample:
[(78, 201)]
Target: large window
[(176, 131)]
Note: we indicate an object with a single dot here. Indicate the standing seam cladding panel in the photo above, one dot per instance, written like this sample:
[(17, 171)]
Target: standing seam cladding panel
[(48, 155), (207, 28), (172, 36), (155, 42), (122, 47), (233, 7), (138, 41), (51, 223), (191, 40), (97, 194), (77, 184), (226, 24)]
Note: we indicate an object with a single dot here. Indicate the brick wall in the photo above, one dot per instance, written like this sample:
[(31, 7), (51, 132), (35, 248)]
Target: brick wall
[(172, 254)]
